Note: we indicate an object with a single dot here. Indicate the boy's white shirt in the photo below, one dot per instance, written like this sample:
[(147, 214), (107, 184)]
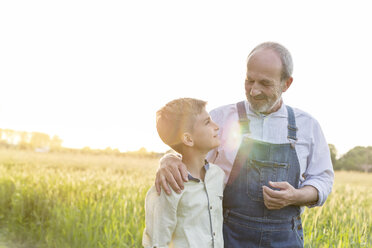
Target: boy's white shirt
[(182, 220)]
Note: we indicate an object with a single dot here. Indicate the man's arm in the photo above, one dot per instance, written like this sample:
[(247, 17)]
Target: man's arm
[(319, 172), (318, 176), (288, 195), (171, 171)]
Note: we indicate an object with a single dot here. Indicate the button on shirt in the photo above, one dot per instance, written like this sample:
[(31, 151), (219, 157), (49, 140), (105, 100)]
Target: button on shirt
[(311, 148), (190, 219)]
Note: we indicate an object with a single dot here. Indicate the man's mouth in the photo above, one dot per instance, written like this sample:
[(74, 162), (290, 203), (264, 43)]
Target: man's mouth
[(256, 98), (259, 98)]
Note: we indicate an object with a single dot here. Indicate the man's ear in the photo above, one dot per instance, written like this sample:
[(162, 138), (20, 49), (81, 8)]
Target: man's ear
[(187, 139), (287, 83)]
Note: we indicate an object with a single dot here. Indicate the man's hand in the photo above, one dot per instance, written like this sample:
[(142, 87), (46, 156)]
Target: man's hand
[(288, 195), (274, 199), (171, 171)]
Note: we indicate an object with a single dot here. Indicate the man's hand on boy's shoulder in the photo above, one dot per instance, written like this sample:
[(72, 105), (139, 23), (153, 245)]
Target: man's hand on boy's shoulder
[(171, 171)]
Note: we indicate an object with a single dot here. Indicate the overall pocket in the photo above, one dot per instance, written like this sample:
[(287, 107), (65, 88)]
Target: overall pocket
[(260, 173)]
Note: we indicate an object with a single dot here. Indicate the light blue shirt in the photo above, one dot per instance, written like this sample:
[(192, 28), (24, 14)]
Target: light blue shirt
[(311, 148)]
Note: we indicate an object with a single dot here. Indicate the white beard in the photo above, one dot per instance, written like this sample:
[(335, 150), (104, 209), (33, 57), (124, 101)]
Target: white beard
[(270, 103)]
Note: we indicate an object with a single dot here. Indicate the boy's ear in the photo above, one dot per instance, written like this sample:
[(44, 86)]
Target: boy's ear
[(187, 139)]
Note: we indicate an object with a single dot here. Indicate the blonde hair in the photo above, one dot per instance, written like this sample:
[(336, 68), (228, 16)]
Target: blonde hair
[(176, 117)]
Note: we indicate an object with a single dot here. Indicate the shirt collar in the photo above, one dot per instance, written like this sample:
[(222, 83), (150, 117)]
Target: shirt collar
[(281, 112), (190, 177)]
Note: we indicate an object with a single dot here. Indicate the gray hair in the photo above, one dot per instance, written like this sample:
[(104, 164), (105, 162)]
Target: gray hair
[(283, 53)]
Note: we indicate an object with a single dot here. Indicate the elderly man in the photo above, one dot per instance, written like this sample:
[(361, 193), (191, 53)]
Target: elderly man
[(275, 157)]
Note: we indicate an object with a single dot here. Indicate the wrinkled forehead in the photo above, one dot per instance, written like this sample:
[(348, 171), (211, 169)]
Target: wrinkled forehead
[(264, 63)]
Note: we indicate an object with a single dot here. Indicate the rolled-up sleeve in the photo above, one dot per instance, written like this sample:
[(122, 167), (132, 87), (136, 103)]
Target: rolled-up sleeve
[(319, 172), (160, 218)]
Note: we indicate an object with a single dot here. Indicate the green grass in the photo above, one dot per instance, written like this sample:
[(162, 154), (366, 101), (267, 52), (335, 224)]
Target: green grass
[(72, 200), (345, 220)]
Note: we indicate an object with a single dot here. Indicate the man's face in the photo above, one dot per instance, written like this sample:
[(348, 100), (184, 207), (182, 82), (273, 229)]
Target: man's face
[(205, 132), (263, 86)]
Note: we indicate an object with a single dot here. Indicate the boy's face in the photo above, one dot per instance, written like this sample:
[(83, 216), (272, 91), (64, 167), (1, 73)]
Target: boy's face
[(205, 132)]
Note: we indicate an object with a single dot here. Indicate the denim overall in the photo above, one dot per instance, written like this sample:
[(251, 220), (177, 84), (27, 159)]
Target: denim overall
[(247, 221)]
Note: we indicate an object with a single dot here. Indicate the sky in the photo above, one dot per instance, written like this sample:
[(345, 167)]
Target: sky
[(95, 72)]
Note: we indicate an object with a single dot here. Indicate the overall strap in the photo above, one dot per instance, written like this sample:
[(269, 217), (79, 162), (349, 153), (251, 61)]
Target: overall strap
[(292, 128), (243, 119), (241, 155)]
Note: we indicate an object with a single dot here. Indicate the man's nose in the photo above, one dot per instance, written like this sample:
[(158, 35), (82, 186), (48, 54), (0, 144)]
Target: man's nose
[(255, 91)]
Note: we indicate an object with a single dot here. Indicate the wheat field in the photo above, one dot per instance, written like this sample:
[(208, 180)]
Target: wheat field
[(76, 200)]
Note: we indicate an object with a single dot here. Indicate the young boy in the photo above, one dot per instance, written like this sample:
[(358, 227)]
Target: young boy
[(192, 218)]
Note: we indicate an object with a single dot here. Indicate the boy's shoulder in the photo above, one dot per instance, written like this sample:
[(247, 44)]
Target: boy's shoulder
[(215, 170), (216, 179), (152, 197)]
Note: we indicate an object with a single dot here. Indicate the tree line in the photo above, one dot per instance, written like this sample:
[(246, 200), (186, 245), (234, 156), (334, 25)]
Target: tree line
[(357, 159), (41, 142), (29, 140)]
